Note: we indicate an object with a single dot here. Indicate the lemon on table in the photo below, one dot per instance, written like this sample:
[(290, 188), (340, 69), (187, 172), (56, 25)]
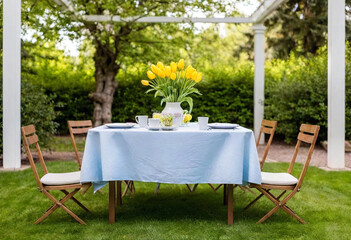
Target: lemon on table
[(187, 118)]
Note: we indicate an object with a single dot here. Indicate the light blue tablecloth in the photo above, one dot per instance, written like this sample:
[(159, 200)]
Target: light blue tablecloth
[(187, 155)]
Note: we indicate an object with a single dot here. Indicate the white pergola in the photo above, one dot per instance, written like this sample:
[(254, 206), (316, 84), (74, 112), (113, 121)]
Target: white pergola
[(336, 71)]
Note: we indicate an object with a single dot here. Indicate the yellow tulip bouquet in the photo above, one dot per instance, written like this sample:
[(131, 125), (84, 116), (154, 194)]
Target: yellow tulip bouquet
[(173, 83)]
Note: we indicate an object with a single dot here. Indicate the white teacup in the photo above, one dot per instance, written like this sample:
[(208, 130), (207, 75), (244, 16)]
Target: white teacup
[(141, 120), (203, 123), (154, 122)]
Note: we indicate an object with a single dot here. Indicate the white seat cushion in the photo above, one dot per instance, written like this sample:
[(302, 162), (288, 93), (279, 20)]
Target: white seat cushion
[(61, 178), (278, 178)]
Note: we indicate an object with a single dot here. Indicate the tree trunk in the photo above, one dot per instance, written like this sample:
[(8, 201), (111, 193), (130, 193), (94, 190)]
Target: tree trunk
[(106, 70)]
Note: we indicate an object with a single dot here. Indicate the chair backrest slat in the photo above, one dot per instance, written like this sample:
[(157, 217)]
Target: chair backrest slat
[(269, 123), (311, 138), (75, 128), (30, 138), (305, 137), (80, 130), (267, 127), (83, 123), (267, 130)]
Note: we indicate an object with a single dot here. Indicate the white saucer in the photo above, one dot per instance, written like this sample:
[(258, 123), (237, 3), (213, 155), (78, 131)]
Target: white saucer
[(223, 125), (154, 128), (120, 125), (169, 128)]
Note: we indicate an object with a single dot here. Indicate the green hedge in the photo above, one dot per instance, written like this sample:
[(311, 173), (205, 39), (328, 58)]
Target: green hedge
[(36, 108)]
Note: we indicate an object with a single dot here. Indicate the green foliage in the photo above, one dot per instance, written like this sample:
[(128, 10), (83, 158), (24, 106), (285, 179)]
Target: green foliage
[(227, 94), (296, 92), (36, 108), (301, 26), (67, 80)]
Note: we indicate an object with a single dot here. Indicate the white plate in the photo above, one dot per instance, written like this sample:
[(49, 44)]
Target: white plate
[(169, 128), (223, 125), (120, 125)]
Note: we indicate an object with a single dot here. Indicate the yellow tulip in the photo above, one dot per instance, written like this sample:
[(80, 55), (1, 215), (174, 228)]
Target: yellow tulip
[(160, 66), (151, 75), (194, 75), (188, 67), (173, 67), (183, 74), (181, 64), (145, 82), (173, 76), (161, 74), (154, 69), (198, 77), (190, 70), (168, 71)]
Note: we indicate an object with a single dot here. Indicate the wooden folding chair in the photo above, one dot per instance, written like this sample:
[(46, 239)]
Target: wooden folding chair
[(285, 181), (267, 127), (81, 128), (78, 128), (53, 181)]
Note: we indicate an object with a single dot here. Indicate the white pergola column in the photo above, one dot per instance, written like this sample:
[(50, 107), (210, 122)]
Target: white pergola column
[(336, 83), (259, 31), (11, 83)]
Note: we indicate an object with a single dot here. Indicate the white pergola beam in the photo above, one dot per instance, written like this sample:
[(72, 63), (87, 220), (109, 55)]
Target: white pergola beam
[(11, 84), (259, 56), (265, 9), (107, 18), (336, 83)]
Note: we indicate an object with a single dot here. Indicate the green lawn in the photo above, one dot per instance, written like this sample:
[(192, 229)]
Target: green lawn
[(324, 202), (64, 144)]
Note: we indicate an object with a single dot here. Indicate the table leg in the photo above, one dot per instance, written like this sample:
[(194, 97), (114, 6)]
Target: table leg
[(230, 204), (225, 197), (112, 199), (119, 193)]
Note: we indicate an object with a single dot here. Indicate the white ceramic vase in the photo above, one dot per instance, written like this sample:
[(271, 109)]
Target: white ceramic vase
[(177, 111)]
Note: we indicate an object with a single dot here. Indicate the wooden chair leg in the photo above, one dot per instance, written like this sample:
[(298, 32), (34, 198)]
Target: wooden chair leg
[(61, 205), (255, 200), (269, 214), (189, 188), (133, 188), (220, 185), (194, 187), (279, 204), (76, 201), (47, 213), (246, 189), (213, 188), (157, 188), (292, 213)]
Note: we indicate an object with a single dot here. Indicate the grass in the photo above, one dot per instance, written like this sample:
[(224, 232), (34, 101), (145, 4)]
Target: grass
[(64, 144), (324, 202)]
